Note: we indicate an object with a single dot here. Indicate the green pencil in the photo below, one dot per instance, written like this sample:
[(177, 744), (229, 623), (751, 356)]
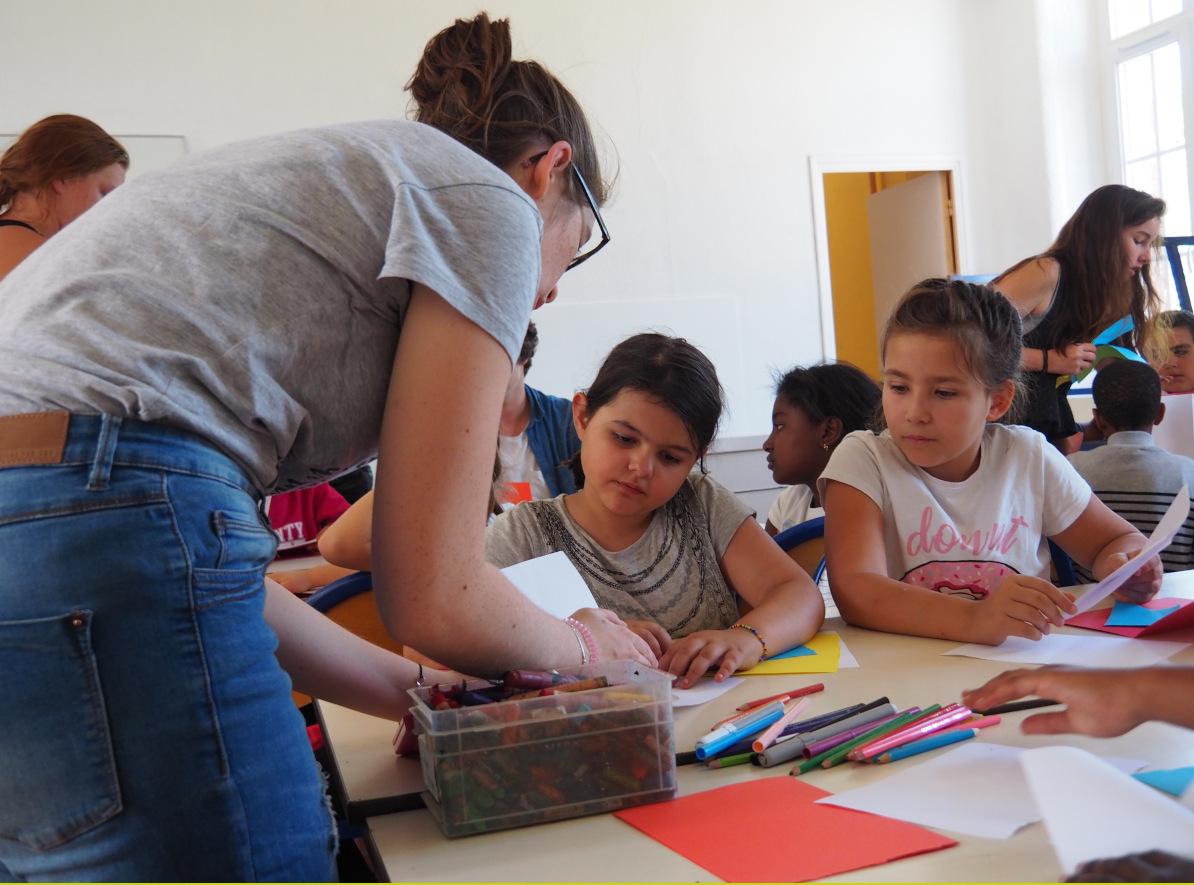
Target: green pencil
[(838, 754), (727, 761)]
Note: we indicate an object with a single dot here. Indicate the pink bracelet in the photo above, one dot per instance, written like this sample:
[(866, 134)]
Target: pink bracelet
[(587, 635)]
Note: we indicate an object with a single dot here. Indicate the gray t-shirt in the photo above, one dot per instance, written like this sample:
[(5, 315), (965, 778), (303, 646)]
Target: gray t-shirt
[(669, 575), (254, 294)]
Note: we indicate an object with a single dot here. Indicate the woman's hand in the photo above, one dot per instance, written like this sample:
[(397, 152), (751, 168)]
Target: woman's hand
[(653, 634), (728, 650), (1144, 584), (615, 641), (1021, 606), (1073, 360)]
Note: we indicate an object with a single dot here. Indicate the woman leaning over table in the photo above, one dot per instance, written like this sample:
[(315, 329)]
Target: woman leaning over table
[(254, 319)]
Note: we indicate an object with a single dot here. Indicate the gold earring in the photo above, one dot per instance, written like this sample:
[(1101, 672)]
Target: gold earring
[(825, 446)]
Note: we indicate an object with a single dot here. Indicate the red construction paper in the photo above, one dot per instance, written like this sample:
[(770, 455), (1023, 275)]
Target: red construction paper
[(770, 830), (1097, 619)]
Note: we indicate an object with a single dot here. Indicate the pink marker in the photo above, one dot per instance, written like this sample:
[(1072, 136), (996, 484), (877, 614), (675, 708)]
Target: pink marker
[(767, 738), (951, 715)]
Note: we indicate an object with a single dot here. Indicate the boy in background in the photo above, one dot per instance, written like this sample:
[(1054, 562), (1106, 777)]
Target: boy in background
[(1131, 475)]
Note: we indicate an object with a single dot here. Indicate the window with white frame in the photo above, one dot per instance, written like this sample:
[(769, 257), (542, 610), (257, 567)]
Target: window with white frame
[(1152, 47)]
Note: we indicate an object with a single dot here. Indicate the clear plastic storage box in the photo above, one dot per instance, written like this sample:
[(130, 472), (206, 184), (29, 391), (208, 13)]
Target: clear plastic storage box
[(513, 763)]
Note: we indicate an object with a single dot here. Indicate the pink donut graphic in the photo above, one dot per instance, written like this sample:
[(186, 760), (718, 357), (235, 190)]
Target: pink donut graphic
[(973, 579)]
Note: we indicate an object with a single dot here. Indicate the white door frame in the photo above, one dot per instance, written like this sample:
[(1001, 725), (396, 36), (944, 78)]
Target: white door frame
[(819, 165)]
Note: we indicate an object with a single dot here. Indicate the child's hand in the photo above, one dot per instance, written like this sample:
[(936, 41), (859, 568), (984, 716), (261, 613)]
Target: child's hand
[(615, 641), (1144, 584), (1021, 606), (653, 634), (1102, 703), (728, 650)]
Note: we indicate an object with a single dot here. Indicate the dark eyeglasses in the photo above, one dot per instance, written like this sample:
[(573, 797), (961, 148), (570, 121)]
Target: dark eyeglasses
[(585, 256)]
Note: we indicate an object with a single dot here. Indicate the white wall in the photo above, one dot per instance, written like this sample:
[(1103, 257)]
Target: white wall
[(711, 109)]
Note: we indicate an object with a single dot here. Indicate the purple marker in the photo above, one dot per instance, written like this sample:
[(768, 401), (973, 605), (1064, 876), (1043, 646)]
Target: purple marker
[(819, 747)]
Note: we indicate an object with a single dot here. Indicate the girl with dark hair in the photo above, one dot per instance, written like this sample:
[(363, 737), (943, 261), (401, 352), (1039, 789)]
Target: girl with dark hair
[(1095, 274), (662, 547), (815, 407), (939, 525), (58, 169), (252, 319)]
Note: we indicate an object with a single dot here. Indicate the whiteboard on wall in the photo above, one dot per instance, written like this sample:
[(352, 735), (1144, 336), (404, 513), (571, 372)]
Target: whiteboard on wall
[(146, 152)]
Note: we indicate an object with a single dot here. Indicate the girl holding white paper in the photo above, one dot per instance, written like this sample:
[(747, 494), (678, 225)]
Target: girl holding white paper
[(938, 526)]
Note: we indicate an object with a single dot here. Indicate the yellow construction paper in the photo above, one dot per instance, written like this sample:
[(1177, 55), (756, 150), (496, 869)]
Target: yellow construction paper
[(827, 648)]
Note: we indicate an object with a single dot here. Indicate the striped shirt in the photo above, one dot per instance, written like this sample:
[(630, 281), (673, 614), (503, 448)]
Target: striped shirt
[(1138, 481)]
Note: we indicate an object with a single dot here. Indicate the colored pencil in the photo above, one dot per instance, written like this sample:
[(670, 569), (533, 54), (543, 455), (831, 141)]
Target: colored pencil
[(792, 729), (838, 755), (953, 714), (890, 725), (727, 761), (793, 693), (932, 742), (815, 748)]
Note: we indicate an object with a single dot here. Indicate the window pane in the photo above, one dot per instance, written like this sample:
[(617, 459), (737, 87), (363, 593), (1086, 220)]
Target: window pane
[(1165, 8), (1136, 112), (1175, 191), (1128, 16), (1144, 176), (1167, 77)]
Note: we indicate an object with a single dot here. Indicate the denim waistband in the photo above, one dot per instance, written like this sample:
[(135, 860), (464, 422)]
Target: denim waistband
[(111, 440)]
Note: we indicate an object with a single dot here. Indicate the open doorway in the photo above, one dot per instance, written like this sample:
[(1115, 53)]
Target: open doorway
[(879, 230)]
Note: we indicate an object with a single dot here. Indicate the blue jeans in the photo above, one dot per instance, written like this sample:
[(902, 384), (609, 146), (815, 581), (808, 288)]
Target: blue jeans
[(146, 728)]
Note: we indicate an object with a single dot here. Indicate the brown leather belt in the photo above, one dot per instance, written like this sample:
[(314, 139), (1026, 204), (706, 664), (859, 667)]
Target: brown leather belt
[(35, 438)]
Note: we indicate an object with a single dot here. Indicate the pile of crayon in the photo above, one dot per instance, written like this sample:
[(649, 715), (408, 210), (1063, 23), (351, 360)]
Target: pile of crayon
[(544, 746)]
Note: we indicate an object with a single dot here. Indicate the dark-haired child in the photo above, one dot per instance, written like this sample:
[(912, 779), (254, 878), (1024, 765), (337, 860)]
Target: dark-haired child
[(661, 546), (1130, 474), (815, 407), (938, 525)]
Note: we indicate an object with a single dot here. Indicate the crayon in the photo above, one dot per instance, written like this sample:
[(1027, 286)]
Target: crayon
[(1017, 706), (932, 742), (582, 685), (534, 678)]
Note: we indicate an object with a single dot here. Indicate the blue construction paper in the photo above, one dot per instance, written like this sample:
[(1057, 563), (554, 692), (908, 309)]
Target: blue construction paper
[(1115, 330), (799, 651), (1171, 780), (1125, 614)]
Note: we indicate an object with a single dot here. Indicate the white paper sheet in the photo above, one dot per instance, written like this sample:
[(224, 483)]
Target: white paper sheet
[(1078, 650), (846, 658), (1173, 519), (704, 691), (552, 583), (978, 789), (1093, 811)]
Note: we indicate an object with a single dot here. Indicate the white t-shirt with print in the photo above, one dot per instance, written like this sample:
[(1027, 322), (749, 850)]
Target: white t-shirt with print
[(519, 465), (962, 537)]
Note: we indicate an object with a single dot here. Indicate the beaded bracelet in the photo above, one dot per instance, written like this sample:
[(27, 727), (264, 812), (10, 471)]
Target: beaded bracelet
[(755, 634), (589, 653)]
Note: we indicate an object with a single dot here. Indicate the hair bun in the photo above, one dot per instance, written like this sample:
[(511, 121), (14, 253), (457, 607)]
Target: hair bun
[(460, 75)]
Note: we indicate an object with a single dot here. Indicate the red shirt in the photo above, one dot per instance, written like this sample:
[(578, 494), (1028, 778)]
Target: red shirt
[(298, 517)]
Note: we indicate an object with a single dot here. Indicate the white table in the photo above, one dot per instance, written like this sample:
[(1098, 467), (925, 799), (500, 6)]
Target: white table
[(409, 847)]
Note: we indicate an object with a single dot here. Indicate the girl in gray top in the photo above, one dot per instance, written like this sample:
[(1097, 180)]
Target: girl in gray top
[(664, 548), (257, 318)]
